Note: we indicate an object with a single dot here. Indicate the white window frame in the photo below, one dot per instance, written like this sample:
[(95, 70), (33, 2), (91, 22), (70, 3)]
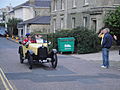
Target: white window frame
[(86, 2), (73, 3), (73, 22), (62, 23), (55, 5), (94, 24), (62, 4), (85, 21), (54, 25), (116, 4)]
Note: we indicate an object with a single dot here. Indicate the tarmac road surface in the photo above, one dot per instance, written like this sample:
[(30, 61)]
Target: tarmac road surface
[(72, 73)]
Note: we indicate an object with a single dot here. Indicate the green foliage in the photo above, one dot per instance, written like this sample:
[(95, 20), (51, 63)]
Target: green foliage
[(112, 20), (2, 24), (36, 32), (12, 25), (86, 41)]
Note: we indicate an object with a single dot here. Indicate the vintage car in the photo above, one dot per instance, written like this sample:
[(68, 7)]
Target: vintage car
[(37, 52)]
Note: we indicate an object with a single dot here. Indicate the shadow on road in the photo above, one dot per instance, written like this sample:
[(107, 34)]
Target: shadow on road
[(61, 74)]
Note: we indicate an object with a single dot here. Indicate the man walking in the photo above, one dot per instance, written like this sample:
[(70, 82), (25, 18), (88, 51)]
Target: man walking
[(106, 45)]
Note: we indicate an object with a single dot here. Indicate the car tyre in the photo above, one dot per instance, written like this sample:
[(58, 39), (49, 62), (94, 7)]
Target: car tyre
[(21, 58), (21, 54), (54, 61)]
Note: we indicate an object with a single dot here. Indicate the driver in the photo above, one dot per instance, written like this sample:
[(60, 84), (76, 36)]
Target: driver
[(28, 39)]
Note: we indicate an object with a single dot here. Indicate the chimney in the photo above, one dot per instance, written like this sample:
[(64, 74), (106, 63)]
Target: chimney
[(32, 2)]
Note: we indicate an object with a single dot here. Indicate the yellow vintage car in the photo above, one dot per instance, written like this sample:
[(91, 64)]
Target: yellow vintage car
[(37, 52)]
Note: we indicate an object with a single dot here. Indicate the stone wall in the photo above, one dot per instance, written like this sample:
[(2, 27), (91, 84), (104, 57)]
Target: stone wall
[(94, 11), (42, 11), (40, 28)]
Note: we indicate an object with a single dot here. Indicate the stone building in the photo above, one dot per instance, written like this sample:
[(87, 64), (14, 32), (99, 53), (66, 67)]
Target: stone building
[(30, 11), (32, 8), (37, 24), (67, 14), (34, 11)]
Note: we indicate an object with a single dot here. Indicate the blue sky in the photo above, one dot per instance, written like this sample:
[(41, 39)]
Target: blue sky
[(4, 3)]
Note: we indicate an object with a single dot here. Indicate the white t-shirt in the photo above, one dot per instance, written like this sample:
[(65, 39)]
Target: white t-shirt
[(39, 40)]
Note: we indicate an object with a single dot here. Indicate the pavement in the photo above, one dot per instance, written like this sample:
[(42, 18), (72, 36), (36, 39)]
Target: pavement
[(13, 40), (113, 56)]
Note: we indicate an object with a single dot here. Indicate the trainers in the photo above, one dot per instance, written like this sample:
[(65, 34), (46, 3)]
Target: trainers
[(103, 66)]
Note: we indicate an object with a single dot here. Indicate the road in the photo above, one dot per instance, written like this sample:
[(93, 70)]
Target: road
[(71, 74)]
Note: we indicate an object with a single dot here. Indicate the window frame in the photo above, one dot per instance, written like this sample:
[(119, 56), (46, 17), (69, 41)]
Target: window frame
[(54, 25), (74, 3), (62, 4), (62, 23), (86, 2), (85, 21), (55, 5), (73, 22)]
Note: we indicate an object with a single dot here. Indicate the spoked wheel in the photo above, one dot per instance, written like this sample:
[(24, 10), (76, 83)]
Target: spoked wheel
[(21, 58), (54, 61), (30, 60), (21, 54)]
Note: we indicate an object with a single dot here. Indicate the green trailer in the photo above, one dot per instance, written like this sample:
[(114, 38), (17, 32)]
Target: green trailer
[(66, 44)]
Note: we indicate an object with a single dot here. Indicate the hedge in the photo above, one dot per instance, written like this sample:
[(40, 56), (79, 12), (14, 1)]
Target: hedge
[(86, 41)]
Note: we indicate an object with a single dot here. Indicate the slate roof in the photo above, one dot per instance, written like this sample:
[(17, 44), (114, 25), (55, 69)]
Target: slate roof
[(38, 3), (37, 20), (21, 5), (42, 4)]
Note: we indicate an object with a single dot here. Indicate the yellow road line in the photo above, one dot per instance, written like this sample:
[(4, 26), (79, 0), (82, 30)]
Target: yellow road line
[(4, 77), (4, 82)]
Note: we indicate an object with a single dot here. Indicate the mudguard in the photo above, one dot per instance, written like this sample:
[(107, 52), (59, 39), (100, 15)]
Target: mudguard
[(30, 51), (54, 50)]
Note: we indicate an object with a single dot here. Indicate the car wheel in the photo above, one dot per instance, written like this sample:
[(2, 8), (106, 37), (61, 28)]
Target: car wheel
[(30, 60), (54, 61), (21, 54), (21, 58)]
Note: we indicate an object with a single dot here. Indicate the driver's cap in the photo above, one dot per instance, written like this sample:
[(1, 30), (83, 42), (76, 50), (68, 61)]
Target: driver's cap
[(27, 34)]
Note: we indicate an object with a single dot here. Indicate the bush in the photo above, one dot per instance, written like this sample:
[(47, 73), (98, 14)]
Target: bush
[(112, 20), (86, 41), (2, 24)]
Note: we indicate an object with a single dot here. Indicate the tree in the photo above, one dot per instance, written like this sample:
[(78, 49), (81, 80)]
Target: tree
[(12, 26), (2, 24), (112, 20)]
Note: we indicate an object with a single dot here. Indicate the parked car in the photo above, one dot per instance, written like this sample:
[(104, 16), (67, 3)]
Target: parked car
[(2, 31)]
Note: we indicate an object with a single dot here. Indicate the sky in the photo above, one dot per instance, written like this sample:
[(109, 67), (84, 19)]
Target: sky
[(4, 3)]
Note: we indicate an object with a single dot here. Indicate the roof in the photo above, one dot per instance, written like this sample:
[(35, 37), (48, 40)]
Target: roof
[(38, 3), (11, 11), (37, 20), (21, 5), (42, 4)]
